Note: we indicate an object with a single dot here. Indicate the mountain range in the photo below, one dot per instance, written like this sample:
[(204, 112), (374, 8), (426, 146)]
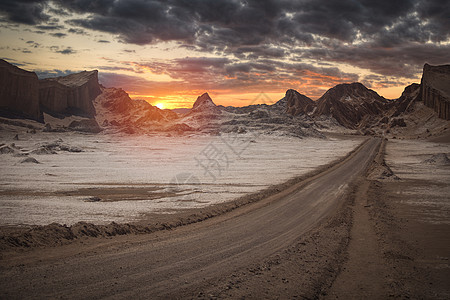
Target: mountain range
[(349, 106)]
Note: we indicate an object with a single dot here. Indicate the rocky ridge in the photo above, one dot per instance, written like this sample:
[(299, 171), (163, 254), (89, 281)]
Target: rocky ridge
[(350, 105), (344, 107)]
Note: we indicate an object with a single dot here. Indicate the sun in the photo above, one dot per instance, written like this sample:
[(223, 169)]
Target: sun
[(160, 105)]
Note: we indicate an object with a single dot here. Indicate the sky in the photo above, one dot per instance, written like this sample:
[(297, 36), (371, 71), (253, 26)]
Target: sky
[(241, 52)]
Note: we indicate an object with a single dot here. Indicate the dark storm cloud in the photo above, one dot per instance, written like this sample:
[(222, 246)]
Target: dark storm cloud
[(33, 44), (382, 36), (405, 60), (135, 21), (224, 23), (58, 34), (246, 26), (50, 27), (437, 12), (63, 50), (390, 37), (30, 12), (343, 20), (77, 31)]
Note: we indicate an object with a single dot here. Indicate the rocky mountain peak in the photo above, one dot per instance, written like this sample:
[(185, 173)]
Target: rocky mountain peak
[(203, 102), (349, 103), (355, 92), (205, 106), (298, 103)]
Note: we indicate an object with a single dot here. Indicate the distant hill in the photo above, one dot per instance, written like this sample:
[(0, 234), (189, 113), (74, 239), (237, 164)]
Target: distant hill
[(350, 104)]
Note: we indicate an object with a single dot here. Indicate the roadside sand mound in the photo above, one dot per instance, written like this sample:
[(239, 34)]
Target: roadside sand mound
[(381, 171), (440, 159), (53, 234), (56, 234), (30, 160)]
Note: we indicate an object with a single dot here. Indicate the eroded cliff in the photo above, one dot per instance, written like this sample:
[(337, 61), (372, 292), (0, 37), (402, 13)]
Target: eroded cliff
[(19, 94), (72, 94), (435, 89)]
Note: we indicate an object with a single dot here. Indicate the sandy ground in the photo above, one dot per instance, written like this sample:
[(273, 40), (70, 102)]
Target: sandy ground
[(399, 242), (249, 252), (124, 178)]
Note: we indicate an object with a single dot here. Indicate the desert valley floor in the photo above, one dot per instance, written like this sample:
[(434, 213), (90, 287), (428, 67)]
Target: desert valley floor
[(136, 175), (386, 236)]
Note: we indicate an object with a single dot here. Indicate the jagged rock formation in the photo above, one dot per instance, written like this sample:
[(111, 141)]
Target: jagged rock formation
[(18, 91), (115, 109), (350, 103), (435, 89), (297, 103), (72, 94), (203, 116), (204, 104)]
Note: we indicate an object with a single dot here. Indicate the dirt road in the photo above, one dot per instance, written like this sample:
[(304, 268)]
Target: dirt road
[(182, 262)]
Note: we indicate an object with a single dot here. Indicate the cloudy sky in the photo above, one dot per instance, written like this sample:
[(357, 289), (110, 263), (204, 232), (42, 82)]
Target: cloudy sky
[(174, 50)]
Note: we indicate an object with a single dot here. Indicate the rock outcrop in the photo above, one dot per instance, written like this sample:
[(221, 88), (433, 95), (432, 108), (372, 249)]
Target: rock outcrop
[(298, 103), (115, 109), (86, 125), (19, 94), (72, 94), (350, 104), (204, 104), (435, 89)]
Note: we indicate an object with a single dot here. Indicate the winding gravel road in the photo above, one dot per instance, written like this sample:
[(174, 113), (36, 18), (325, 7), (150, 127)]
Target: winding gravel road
[(176, 263)]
